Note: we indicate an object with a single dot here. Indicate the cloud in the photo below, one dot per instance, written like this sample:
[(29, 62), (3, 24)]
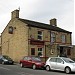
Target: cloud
[(46, 8)]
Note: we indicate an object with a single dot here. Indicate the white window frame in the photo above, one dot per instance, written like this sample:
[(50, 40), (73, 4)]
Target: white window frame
[(40, 51), (41, 35), (53, 37), (63, 38)]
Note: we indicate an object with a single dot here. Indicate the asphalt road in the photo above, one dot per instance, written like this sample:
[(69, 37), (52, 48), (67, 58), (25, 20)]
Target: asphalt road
[(17, 70)]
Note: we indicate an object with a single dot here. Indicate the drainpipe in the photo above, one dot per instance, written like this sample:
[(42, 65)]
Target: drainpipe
[(45, 53), (28, 41)]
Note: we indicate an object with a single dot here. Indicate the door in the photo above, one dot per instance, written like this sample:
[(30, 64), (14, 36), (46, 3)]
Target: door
[(25, 61), (29, 62), (52, 62), (61, 51), (60, 64)]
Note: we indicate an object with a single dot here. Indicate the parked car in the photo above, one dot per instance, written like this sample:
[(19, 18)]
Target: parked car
[(33, 62), (60, 64), (4, 59)]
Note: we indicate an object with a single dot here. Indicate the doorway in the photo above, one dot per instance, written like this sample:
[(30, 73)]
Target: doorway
[(63, 52)]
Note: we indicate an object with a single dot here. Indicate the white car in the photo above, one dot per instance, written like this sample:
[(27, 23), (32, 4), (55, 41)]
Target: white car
[(60, 64)]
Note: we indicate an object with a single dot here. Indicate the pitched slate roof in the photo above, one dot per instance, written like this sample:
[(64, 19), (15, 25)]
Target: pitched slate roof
[(43, 25)]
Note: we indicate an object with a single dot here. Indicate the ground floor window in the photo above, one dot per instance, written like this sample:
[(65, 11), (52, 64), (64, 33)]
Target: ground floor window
[(40, 51), (32, 51)]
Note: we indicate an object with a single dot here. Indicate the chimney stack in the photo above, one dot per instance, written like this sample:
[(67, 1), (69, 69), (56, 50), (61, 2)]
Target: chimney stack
[(15, 14), (53, 22)]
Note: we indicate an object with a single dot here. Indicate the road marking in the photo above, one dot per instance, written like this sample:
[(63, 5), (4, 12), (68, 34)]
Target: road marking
[(23, 73), (4, 68)]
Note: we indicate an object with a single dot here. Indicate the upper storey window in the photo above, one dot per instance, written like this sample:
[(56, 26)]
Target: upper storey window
[(63, 38), (53, 37), (40, 35)]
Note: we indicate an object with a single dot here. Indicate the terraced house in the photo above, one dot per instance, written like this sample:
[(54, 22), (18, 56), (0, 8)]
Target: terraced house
[(22, 37)]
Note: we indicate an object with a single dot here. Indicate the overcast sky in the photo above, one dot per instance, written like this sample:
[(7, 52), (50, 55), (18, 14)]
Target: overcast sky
[(41, 11)]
